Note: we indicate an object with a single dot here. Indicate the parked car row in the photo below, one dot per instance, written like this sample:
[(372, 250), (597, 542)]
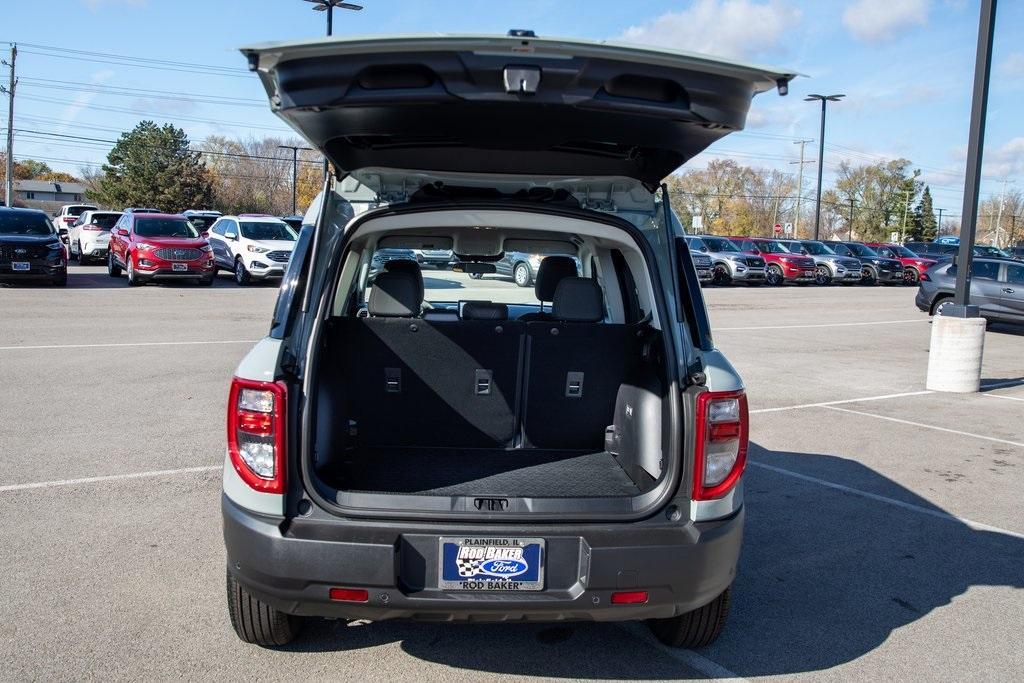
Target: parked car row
[(145, 245), (756, 261)]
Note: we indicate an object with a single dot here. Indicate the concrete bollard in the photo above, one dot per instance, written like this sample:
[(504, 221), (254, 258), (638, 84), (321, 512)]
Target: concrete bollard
[(954, 363)]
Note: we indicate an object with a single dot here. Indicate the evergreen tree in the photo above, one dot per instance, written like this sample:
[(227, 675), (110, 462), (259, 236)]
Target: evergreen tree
[(152, 165), (925, 227)]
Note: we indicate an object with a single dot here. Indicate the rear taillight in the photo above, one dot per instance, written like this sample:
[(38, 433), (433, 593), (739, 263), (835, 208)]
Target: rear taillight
[(256, 434), (722, 435)]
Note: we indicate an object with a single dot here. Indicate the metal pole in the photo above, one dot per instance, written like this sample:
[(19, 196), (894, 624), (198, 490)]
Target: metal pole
[(850, 238), (799, 185), (821, 167), (9, 184), (330, 19), (975, 145), (938, 228), (906, 209)]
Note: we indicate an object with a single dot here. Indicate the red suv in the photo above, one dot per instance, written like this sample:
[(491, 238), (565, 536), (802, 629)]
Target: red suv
[(148, 246), (782, 265), (913, 265)]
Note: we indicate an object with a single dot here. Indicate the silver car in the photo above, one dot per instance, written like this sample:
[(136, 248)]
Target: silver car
[(728, 263), (997, 287), (830, 267)]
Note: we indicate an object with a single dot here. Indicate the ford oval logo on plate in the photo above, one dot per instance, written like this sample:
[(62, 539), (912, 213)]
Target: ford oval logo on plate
[(503, 568)]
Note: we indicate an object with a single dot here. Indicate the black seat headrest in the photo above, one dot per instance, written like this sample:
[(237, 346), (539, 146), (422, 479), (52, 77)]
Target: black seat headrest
[(578, 299), (553, 269), (484, 310), (396, 294), (406, 266)]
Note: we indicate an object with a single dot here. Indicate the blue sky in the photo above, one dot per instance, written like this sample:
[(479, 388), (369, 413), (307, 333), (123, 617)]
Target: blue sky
[(906, 67)]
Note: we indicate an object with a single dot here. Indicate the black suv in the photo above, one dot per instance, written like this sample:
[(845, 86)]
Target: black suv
[(471, 460), (30, 247)]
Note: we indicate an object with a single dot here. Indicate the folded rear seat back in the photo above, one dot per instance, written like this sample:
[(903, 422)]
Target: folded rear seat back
[(575, 366), (419, 383)]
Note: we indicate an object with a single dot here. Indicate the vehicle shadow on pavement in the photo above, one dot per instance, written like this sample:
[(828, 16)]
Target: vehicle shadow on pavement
[(826, 576)]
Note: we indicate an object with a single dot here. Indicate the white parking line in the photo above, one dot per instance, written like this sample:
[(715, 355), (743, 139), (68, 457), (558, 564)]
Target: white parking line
[(688, 657), (926, 426), (940, 514), (803, 327), (825, 404), (121, 345), (109, 477), (1008, 398)]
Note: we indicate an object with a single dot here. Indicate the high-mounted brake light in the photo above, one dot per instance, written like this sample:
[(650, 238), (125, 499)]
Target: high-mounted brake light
[(256, 433), (722, 437)]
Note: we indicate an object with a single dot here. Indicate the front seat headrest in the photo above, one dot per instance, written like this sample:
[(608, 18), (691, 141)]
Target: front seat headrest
[(396, 294), (484, 310), (579, 300), (406, 266), (553, 270)]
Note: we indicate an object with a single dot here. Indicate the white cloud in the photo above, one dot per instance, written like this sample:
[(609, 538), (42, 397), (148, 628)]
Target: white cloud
[(730, 28), (1006, 161), (1013, 65), (876, 21)]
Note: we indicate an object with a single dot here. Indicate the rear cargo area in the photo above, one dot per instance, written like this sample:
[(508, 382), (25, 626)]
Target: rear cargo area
[(540, 409), (481, 472)]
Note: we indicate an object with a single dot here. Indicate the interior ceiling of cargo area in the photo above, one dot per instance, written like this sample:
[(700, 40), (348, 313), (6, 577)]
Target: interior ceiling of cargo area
[(566, 401)]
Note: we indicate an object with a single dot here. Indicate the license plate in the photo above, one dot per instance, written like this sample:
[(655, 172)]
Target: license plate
[(703, 273), (20, 265), (491, 564), (179, 267)]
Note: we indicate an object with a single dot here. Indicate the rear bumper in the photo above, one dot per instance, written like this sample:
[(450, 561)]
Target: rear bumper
[(293, 566)]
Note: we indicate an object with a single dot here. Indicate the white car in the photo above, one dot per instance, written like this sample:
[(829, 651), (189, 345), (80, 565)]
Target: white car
[(89, 235), (253, 247), (69, 213)]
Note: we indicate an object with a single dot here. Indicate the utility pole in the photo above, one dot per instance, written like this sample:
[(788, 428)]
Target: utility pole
[(295, 172), (1002, 201), (13, 83), (1013, 229), (938, 228), (906, 209), (799, 183), (850, 237)]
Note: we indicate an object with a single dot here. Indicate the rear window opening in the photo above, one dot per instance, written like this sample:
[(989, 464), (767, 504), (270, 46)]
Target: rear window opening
[(439, 392)]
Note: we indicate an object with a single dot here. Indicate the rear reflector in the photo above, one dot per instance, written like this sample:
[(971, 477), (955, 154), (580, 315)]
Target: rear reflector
[(349, 594), (629, 598)]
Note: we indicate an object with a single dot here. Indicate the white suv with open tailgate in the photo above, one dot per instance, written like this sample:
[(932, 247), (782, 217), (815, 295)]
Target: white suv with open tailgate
[(399, 448), (252, 247)]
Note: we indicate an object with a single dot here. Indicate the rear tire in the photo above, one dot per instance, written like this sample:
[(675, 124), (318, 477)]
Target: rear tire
[(257, 622), (938, 303), (698, 628), (113, 270), (522, 276)]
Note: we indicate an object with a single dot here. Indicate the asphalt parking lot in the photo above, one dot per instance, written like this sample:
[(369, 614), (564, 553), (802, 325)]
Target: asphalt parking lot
[(884, 532)]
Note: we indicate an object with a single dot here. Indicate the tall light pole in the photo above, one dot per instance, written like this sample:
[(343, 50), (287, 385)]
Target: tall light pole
[(295, 172), (825, 99), (328, 6)]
